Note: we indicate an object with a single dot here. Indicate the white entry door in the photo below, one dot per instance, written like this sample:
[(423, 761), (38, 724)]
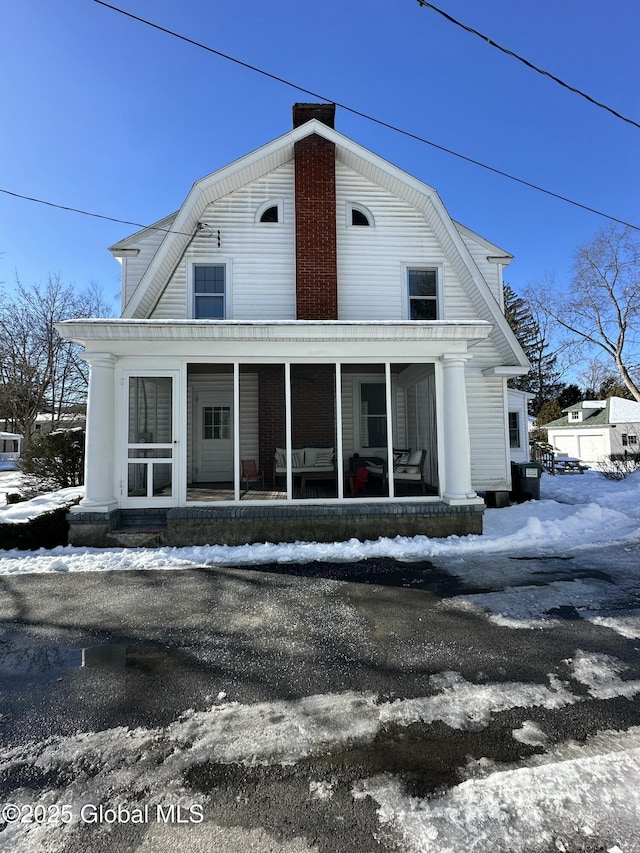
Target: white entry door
[(213, 437)]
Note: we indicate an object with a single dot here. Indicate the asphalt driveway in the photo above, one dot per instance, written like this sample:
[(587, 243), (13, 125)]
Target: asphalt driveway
[(91, 653)]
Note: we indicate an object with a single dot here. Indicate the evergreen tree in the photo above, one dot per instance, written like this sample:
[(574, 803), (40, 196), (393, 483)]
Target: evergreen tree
[(543, 380), (569, 396)]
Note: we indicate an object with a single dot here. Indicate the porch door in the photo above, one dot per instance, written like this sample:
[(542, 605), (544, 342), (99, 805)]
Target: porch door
[(213, 437), (150, 443)]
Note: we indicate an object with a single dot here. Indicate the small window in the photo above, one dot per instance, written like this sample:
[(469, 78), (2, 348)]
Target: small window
[(358, 216), (629, 440), (574, 416), (514, 429), (423, 294), (209, 292), (271, 212)]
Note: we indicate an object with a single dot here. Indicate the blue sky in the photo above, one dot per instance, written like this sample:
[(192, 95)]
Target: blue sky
[(104, 114)]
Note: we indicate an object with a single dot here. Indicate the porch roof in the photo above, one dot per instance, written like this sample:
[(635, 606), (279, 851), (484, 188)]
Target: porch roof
[(100, 329), (327, 340)]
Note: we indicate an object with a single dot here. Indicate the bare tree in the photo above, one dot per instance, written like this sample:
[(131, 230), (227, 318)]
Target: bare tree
[(602, 305), (39, 372)]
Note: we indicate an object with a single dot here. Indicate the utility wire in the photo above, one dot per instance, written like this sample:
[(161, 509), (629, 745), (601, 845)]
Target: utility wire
[(89, 213), (360, 114), (526, 62)]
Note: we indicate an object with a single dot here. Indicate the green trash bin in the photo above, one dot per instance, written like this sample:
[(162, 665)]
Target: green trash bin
[(525, 481)]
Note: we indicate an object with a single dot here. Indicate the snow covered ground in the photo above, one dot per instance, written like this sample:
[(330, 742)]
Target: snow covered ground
[(576, 511), (568, 797)]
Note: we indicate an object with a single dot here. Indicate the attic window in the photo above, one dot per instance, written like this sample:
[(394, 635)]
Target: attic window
[(358, 216), (574, 416), (270, 213)]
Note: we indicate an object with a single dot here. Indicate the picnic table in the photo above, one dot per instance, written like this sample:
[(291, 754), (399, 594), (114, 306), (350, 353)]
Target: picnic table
[(569, 465)]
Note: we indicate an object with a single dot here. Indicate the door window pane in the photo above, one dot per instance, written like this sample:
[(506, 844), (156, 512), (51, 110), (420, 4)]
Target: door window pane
[(150, 409), (216, 422)]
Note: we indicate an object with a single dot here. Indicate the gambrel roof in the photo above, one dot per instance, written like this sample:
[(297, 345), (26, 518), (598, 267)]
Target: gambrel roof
[(262, 161)]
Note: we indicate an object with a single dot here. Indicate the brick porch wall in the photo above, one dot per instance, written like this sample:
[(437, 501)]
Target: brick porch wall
[(313, 409)]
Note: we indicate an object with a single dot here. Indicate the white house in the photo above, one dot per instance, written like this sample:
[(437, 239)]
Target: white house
[(10, 446), (309, 307), (594, 429), (518, 424)]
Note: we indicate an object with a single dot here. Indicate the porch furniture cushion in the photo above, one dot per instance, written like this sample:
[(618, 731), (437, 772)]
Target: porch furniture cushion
[(400, 459), (306, 460), (412, 471)]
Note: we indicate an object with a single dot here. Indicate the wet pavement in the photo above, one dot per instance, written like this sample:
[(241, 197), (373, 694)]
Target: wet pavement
[(90, 652)]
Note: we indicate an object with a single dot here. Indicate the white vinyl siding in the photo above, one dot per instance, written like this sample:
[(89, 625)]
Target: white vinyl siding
[(490, 270), (248, 411), (134, 266), (262, 279), (372, 262), (487, 427), (517, 406)]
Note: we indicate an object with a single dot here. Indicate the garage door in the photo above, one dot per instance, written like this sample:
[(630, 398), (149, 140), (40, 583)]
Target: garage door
[(591, 448)]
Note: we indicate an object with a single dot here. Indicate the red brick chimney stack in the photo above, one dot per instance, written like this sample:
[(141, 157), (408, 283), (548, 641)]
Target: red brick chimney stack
[(315, 206)]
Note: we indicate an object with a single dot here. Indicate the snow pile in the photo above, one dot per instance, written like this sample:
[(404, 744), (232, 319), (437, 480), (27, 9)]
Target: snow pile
[(585, 511), (567, 793), (559, 801), (24, 511)]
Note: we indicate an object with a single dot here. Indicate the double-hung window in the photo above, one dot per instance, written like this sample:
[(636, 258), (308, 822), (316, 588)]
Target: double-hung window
[(373, 415), (423, 294), (514, 429), (209, 286)]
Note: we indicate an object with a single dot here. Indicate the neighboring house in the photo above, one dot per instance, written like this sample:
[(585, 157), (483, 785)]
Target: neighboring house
[(594, 429), (309, 307), (45, 423), (10, 446), (518, 424)]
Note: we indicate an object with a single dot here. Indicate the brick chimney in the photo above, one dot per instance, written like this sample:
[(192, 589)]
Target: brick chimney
[(315, 206)]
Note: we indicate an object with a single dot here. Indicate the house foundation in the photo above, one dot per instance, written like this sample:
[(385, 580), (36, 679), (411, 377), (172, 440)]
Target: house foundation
[(233, 525)]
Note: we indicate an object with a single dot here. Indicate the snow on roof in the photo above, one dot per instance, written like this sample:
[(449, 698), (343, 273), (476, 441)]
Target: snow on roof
[(625, 411)]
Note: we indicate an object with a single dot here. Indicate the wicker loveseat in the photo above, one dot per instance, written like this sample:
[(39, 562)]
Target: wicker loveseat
[(305, 460)]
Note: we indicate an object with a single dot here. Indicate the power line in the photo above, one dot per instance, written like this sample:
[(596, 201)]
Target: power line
[(94, 215), (367, 117), (526, 62)]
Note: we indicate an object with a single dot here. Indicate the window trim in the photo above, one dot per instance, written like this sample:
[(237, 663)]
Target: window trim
[(272, 202), (360, 379), (439, 299), (514, 431), (350, 207), (191, 295)]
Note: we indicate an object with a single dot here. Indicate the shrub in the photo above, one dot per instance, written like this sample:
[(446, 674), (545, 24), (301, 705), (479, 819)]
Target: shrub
[(55, 460), (619, 465), (45, 531)]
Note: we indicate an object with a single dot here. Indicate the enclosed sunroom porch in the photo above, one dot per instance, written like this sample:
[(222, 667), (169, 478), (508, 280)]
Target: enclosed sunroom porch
[(275, 420)]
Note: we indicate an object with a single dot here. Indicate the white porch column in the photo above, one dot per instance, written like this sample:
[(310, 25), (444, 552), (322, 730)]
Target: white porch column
[(99, 461), (457, 452)]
